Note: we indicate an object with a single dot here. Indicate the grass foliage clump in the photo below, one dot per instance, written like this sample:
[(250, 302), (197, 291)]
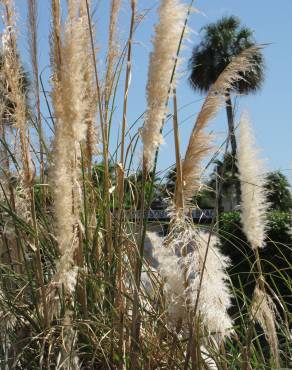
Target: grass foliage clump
[(84, 282)]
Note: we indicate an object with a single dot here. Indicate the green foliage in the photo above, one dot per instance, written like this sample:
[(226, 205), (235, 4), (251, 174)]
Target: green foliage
[(205, 199), (279, 194), (276, 255), (276, 264), (279, 226)]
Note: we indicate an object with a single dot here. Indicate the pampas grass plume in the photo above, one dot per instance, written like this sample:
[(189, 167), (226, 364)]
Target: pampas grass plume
[(162, 60), (113, 50), (181, 266), (200, 142), (253, 194), (254, 207), (72, 103), (214, 299), (262, 309), (16, 90), (170, 270)]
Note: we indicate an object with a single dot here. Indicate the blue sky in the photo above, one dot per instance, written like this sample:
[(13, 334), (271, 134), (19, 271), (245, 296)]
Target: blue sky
[(270, 109)]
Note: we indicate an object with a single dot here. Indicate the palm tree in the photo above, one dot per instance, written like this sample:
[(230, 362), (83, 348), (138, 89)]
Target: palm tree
[(225, 173), (222, 41)]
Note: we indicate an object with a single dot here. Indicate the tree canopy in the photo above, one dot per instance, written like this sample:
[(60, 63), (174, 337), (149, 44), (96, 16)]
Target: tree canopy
[(222, 41)]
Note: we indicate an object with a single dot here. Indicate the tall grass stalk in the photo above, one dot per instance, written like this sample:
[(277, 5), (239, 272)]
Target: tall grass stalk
[(254, 220), (17, 95), (33, 44), (179, 198), (104, 131), (71, 107), (121, 169), (161, 78)]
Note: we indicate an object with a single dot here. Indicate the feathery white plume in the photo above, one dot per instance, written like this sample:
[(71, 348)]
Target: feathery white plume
[(181, 265), (253, 194), (214, 297), (162, 61), (254, 207), (113, 47), (169, 267)]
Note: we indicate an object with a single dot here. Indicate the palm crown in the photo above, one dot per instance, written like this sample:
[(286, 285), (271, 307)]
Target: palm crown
[(221, 42)]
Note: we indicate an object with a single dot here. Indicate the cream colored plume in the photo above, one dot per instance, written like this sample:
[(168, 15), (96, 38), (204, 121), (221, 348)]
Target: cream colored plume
[(72, 102), (181, 264), (262, 309), (253, 194), (200, 143), (161, 65), (170, 270), (214, 298), (113, 49), (15, 90)]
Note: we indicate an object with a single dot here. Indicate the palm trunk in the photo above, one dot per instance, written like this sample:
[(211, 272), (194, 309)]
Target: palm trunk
[(230, 119), (231, 134)]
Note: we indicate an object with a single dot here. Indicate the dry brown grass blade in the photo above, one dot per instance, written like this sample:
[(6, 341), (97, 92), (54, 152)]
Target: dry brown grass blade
[(200, 142), (179, 199), (56, 32), (33, 45)]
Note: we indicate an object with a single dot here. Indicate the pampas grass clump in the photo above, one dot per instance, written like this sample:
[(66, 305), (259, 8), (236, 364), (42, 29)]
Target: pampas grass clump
[(78, 287)]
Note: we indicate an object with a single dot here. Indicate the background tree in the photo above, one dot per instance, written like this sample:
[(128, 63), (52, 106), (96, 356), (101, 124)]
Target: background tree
[(225, 176), (279, 194), (133, 189), (170, 180), (205, 199), (221, 42)]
